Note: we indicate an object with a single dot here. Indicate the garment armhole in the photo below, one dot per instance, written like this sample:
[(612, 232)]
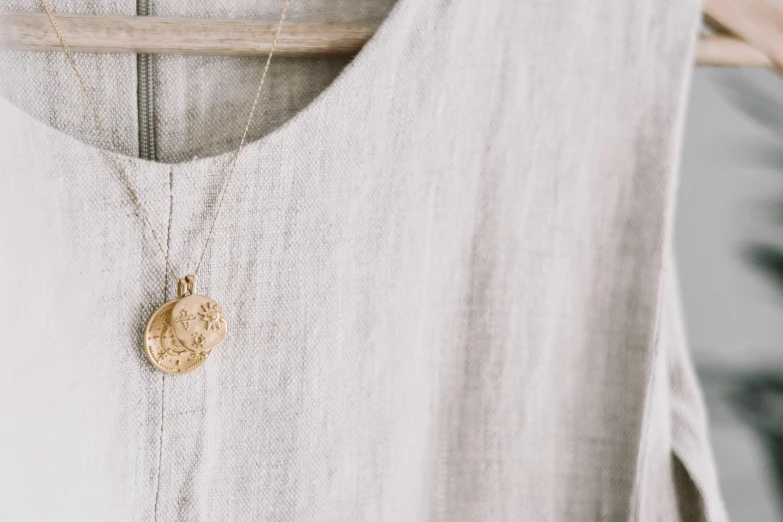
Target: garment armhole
[(690, 499), (694, 475)]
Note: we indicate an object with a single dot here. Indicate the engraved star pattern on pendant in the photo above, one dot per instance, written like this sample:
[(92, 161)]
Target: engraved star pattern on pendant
[(212, 315)]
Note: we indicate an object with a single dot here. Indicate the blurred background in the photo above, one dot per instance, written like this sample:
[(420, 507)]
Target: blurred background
[(729, 245)]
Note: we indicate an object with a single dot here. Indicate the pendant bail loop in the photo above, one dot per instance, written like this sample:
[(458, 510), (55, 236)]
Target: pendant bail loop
[(186, 284)]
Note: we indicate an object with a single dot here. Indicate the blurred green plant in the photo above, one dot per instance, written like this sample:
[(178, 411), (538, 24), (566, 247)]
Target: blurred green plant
[(758, 398), (765, 107)]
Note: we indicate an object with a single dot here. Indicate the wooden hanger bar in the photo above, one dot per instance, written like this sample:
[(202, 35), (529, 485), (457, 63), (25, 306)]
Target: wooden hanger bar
[(154, 35), (727, 51), (758, 22), (231, 37)]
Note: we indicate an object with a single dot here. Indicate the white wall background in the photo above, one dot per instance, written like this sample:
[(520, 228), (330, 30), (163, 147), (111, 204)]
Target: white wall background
[(731, 177), (727, 187)]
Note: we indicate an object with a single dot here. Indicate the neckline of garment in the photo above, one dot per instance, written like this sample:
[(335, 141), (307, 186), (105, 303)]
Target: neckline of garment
[(372, 51)]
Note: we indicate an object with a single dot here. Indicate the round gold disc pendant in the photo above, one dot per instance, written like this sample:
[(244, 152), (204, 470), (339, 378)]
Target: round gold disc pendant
[(181, 334)]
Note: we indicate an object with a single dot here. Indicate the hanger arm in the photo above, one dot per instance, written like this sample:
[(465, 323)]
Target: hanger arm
[(727, 51), (758, 22)]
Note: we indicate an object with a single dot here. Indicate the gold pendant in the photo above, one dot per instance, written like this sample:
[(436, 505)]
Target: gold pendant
[(181, 333)]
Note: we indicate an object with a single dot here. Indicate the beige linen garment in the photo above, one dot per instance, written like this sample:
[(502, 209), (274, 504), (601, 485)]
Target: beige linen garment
[(446, 269)]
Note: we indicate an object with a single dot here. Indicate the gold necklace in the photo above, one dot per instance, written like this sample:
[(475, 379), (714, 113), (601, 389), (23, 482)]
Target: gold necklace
[(180, 334)]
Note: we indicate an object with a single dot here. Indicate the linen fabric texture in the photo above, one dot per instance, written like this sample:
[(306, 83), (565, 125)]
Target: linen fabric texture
[(446, 268)]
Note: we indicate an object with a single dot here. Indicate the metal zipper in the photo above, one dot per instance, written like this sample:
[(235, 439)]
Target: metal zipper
[(144, 94)]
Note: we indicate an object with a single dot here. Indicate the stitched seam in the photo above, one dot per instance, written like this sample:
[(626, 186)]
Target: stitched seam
[(160, 446), (163, 375), (645, 425)]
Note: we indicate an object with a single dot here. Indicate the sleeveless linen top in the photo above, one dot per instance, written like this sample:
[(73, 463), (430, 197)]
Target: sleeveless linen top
[(446, 268)]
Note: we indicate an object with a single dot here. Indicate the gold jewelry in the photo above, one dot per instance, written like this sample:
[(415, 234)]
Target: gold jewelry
[(180, 334)]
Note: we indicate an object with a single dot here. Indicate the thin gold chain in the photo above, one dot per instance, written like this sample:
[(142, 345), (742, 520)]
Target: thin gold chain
[(110, 142)]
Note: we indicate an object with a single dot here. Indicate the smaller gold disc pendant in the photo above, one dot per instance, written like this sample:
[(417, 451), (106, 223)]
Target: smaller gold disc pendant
[(181, 333)]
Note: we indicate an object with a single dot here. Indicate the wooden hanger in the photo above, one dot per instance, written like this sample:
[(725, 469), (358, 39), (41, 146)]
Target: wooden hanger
[(757, 22), (752, 35)]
